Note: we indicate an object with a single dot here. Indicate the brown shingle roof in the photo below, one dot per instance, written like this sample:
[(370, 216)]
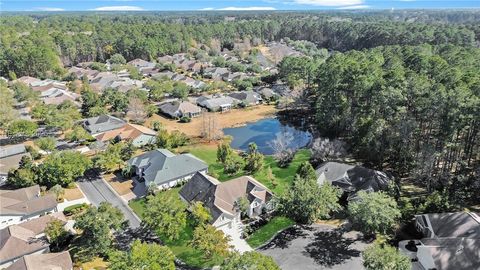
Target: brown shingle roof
[(25, 201), (49, 261), (128, 131)]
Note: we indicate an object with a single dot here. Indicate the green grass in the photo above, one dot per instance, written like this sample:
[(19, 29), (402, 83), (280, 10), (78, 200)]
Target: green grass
[(266, 232), (179, 247)]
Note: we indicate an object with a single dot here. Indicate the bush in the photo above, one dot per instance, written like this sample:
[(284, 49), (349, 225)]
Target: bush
[(74, 209), (185, 119)]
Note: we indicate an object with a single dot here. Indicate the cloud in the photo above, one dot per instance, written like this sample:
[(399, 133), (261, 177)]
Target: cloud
[(118, 8), (329, 3), (49, 9), (355, 7), (240, 8)]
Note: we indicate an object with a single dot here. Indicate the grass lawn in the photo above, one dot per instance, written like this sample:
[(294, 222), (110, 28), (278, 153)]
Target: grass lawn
[(266, 232), (180, 247)]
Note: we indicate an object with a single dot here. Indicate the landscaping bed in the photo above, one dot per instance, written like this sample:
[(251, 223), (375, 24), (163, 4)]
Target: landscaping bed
[(268, 231)]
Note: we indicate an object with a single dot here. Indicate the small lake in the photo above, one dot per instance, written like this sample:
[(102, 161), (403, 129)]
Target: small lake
[(264, 131)]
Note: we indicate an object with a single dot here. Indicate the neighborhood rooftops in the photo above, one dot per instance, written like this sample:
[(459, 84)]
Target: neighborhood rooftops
[(102, 123), (25, 201), (162, 166), (46, 261)]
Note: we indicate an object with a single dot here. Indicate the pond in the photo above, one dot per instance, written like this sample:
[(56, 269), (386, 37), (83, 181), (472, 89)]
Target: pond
[(263, 132)]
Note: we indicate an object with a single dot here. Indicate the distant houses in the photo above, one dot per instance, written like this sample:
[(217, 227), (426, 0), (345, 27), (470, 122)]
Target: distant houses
[(10, 157), (163, 169), (179, 109), (222, 198)]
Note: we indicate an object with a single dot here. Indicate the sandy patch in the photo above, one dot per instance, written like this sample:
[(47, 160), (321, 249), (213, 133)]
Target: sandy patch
[(72, 194), (119, 184)]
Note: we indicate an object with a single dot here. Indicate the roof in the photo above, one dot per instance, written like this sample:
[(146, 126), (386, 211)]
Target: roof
[(452, 253), (25, 201), (175, 108), (128, 131), (162, 166), (457, 224), (102, 123), (48, 261), (140, 63), (28, 80), (12, 150), (246, 96), (216, 102), (24, 238), (221, 197)]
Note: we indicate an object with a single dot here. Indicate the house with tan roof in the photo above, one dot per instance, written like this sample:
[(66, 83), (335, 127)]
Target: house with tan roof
[(20, 205), (26, 238), (221, 198), (137, 134), (45, 261)]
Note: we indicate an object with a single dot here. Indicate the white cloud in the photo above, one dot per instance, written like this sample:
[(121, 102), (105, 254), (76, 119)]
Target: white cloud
[(50, 9), (246, 8), (118, 8), (207, 8), (329, 3), (355, 7)]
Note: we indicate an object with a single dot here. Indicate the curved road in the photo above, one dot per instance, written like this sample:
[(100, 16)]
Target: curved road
[(97, 191)]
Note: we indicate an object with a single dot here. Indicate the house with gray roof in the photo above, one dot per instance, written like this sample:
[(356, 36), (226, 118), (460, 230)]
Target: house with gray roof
[(103, 123), (217, 104), (176, 109), (352, 179), (221, 198), (267, 93), (140, 63), (247, 98), (10, 157), (215, 73), (164, 169)]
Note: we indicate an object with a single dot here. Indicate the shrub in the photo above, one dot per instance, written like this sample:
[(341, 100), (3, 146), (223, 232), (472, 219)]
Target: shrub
[(185, 119), (74, 209)]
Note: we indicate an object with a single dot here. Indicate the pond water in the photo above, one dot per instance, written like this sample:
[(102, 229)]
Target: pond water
[(263, 132)]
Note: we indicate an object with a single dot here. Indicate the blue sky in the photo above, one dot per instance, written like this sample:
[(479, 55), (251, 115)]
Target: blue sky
[(107, 5)]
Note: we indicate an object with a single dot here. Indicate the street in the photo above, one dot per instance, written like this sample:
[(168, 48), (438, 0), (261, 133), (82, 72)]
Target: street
[(97, 191)]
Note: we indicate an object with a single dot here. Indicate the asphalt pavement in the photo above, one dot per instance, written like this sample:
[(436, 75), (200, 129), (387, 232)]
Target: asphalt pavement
[(97, 191)]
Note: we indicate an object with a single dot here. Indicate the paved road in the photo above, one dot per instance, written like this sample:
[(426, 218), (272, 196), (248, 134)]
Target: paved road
[(97, 191)]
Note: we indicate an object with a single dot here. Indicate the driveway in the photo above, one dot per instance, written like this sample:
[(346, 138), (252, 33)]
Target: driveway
[(236, 240), (98, 191), (316, 247)]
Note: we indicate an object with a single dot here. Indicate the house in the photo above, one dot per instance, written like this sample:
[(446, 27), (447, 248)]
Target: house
[(166, 59), (216, 104), (267, 93), (28, 80), (79, 72), (352, 179), (103, 123), (140, 63), (165, 74), (138, 135), (25, 239), (164, 169), (451, 241), (281, 89), (10, 157), (215, 73), (229, 77), (221, 198), (20, 205), (59, 96), (181, 109), (102, 80), (43, 261), (247, 98)]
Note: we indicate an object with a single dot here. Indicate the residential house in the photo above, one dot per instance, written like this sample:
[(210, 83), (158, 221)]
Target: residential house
[(222, 198), (216, 104), (20, 205), (140, 63), (124, 84), (181, 109), (267, 93), (166, 59), (27, 238), (352, 179), (43, 261), (164, 169), (215, 73), (79, 72), (137, 134), (230, 77), (165, 74), (10, 157), (451, 241), (28, 80), (102, 80), (103, 123), (281, 89), (247, 98)]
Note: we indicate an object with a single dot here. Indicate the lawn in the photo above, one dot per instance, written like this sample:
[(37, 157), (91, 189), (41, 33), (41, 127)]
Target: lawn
[(266, 232), (180, 247), (283, 176)]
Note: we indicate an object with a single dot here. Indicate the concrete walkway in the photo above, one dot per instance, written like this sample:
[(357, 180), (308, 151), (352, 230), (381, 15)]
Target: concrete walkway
[(236, 241)]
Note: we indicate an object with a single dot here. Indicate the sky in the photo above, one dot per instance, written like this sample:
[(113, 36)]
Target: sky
[(208, 5)]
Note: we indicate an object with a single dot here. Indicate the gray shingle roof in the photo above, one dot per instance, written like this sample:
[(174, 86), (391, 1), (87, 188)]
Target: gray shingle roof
[(102, 123)]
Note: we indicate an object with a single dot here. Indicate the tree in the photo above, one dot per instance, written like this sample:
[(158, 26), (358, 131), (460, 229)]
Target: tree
[(243, 205), (165, 214), (324, 149), (306, 201), (210, 241), (180, 90), (232, 165), (56, 234), (22, 177), (23, 93), (224, 152), (136, 110), (92, 104), (374, 212), (143, 256), (96, 226), (306, 171), (62, 168), (200, 214), (58, 191), (378, 256), (250, 260), (282, 150), (7, 113), (254, 159), (46, 143), (111, 159), (78, 134), (117, 59), (22, 128)]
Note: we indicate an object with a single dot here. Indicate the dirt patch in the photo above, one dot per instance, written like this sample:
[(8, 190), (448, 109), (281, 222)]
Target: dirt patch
[(121, 185), (236, 117), (72, 194)]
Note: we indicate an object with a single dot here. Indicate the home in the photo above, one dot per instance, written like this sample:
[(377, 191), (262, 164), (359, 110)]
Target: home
[(215, 73), (28, 80), (43, 261), (164, 169), (103, 123), (59, 96), (10, 157), (181, 109), (124, 84), (267, 93), (222, 198), (352, 179), (20, 205), (216, 104), (247, 98), (102, 80), (79, 72), (25, 239), (230, 77), (137, 134), (165, 74), (166, 59), (451, 241), (140, 63)]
